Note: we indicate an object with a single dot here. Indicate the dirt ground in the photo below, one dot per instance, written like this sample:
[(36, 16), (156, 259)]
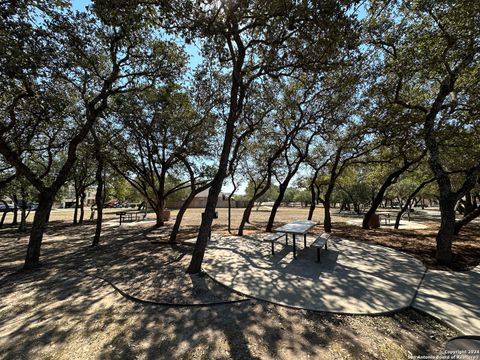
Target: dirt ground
[(106, 303)]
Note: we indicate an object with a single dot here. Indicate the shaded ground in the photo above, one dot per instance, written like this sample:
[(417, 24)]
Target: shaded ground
[(61, 311), (420, 243)]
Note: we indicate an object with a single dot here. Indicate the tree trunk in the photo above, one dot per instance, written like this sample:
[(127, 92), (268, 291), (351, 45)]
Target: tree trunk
[(446, 233), (409, 200), (160, 199), (230, 204), (195, 265), (178, 219), (251, 203), (99, 199), (313, 202), (159, 215), (246, 216), (23, 218), (38, 227), (15, 209), (374, 206), (377, 199), (207, 218), (75, 211), (183, 209), (276, 205), (4, 214), (82, 207), (466, 219), (237, 96), (327, 220)]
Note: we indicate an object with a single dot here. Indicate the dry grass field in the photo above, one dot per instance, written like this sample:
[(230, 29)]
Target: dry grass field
[(72, 308)]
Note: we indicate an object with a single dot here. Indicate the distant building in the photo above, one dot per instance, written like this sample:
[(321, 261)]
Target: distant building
[(69, 200), (200, 201)]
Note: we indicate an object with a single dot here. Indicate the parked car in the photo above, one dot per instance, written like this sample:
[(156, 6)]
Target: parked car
[(4, 207), (8, 206)]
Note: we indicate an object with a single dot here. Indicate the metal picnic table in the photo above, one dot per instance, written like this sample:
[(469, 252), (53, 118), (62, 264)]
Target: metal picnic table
[(297, 227)]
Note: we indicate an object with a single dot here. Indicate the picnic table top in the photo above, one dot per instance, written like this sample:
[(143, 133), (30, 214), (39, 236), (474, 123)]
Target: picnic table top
[(297, 227), (125, 212)]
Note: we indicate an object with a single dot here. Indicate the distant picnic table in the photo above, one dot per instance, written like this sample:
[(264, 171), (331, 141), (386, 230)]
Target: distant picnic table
[(130, 214)]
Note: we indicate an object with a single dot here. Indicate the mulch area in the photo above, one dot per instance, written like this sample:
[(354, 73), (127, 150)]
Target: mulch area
[(60, 311), (137, 259), (420, 243)]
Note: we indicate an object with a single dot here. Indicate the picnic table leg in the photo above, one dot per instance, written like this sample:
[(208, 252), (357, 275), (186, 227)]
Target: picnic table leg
[(286, 239), (273, 249), (305, 240), (318, 254), (294, 248)]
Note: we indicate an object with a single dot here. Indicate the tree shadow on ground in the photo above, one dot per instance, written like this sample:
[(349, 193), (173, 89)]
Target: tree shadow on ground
[(61, 310)]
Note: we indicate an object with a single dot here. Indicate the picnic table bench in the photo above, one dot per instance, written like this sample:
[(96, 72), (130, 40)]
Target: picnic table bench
[(271, 238), (320, 242)]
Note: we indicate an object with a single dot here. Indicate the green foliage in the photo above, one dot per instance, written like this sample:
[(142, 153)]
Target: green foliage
[(270, 195)]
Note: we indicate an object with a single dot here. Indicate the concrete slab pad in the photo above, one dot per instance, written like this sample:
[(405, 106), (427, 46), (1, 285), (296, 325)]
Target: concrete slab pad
[(353, 277), (453, 297)]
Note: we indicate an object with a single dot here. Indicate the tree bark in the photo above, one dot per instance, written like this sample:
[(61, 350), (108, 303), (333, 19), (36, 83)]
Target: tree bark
[(313, 202), (327, 220), (204, 231), (75, 211), (446, 233), (448, 198), (38, 228), (251, 203), (276, 204), (23, 212), (23, 219), (377, 199), (466, 219), (216, 186), (4, 214), (159, 215), (237, 95), (160, 199), (99, 198), (230, 204), (15, 209), (246, 216), (409, 200), (82, 207), (375, 203)]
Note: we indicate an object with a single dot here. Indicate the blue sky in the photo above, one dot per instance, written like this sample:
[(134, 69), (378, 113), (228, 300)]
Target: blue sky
[(80, 4)]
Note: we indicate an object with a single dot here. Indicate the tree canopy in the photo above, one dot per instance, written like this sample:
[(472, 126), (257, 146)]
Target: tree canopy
[(328, 102)]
